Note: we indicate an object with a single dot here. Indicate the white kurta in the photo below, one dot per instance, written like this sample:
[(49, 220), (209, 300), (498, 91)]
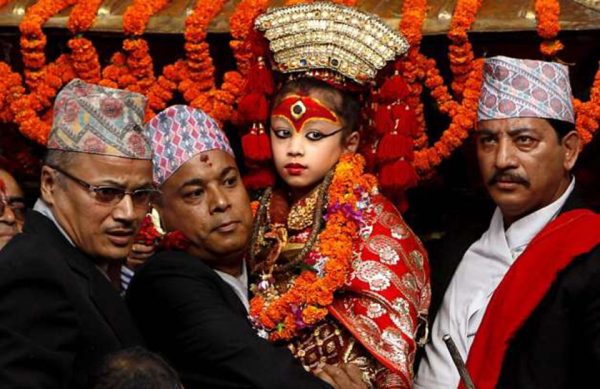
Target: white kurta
[(478, 275)]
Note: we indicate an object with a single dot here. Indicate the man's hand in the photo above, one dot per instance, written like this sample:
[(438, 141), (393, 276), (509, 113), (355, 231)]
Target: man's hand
[(138, 255), (343, 376)]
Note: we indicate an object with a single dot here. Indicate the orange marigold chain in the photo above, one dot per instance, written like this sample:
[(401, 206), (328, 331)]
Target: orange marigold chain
[(140, 65), (10, 89), (33, 40), (460, 51), (113, 72), (83, 15), (25, 108), (547, 14), (462, 122), (200, 73), (137, 73), (241, 24), (219, 103), (216, 102), (85, 59), (588, 113), (411, 25), (161, 92), (137, 15)]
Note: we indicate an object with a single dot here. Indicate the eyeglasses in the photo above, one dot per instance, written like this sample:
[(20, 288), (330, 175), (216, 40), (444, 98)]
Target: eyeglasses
[(112, 195), (16, 204)]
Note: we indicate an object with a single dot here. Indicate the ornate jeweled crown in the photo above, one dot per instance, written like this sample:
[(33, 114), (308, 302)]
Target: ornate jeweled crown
[(330, 37)]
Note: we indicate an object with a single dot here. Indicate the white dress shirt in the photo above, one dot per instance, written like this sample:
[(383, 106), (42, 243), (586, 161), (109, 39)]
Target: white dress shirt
[(478, 275), (238, 284)]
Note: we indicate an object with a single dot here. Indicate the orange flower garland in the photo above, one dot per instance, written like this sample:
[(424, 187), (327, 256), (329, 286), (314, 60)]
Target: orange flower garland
[(85, 59), (307, 299), (33, 40), (460, 51), (200, 73), (547, 13), (588, 113), (10, 88), (417, 67), (411, 25), (113, 72), (161, 92), (462, 122), (25, 108), (240, 25), (83, 16), (137, 15)]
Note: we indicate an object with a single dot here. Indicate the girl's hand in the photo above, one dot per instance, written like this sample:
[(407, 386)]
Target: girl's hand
[(343, 376)]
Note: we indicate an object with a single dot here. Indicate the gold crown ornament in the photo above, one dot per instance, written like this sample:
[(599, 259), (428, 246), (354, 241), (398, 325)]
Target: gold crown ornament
[(331, 38)]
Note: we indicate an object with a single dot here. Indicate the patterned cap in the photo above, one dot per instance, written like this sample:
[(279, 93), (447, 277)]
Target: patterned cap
[(93, 119), (179, 133), (514, 88)]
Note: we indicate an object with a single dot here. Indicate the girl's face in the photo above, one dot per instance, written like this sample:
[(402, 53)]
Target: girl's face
[(307, 139)]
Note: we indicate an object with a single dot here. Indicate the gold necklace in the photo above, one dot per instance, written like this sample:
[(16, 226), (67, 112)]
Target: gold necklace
[(302, 213)]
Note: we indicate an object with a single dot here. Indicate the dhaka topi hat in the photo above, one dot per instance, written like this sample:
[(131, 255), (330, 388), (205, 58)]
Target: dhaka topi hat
[(179, 133), (93, 119), (514, 88)]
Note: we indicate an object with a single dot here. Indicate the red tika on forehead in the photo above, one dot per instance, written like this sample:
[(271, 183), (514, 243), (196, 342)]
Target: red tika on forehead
[(298, 110)]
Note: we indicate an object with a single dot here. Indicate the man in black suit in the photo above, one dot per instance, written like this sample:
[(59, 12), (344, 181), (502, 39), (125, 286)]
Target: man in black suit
[(191, 304), (522, 301), (59, 313)]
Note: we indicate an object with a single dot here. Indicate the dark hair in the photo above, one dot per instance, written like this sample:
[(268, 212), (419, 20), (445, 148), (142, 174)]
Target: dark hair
[(562, 128), (59, 158), (136, 368), (345, 104)]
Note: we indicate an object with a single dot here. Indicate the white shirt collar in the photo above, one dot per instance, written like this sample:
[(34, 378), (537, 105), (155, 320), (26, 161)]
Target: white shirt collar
[(522, 231), (238, 284), (41, 207)]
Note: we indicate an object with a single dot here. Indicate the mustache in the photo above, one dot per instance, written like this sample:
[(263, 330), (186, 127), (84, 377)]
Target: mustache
[(508, 176)]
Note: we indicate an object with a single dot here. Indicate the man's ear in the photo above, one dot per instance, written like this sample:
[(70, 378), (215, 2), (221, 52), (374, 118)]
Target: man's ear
[(48, 184), (572, 146), (351, 142)]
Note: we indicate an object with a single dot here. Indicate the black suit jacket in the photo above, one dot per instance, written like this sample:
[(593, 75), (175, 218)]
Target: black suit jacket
[(558, 346), (190, 315), (59, 315)]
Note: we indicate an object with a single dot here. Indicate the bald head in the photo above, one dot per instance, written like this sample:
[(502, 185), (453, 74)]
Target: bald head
[(13, 212)]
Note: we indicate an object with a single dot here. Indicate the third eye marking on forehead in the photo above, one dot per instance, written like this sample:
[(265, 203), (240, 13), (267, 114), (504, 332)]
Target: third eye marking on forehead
[(205, 159)]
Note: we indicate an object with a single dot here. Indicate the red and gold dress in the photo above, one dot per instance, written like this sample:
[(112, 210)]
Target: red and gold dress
[(341, 277)]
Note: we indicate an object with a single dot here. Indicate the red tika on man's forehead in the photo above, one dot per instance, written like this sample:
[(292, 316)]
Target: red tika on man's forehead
[(300, 109)]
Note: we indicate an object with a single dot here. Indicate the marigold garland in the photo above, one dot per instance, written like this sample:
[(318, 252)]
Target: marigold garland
[(83, 15), (411, 26), (137, 15), (114, 71), (10, 88), (85, 59), (307, 299), (460, 51), (462, 122), (199, 77), (588, 113), (547, 15), (33, 39)]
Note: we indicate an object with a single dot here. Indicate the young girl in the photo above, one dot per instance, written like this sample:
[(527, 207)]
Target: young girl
[(339, 275)]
